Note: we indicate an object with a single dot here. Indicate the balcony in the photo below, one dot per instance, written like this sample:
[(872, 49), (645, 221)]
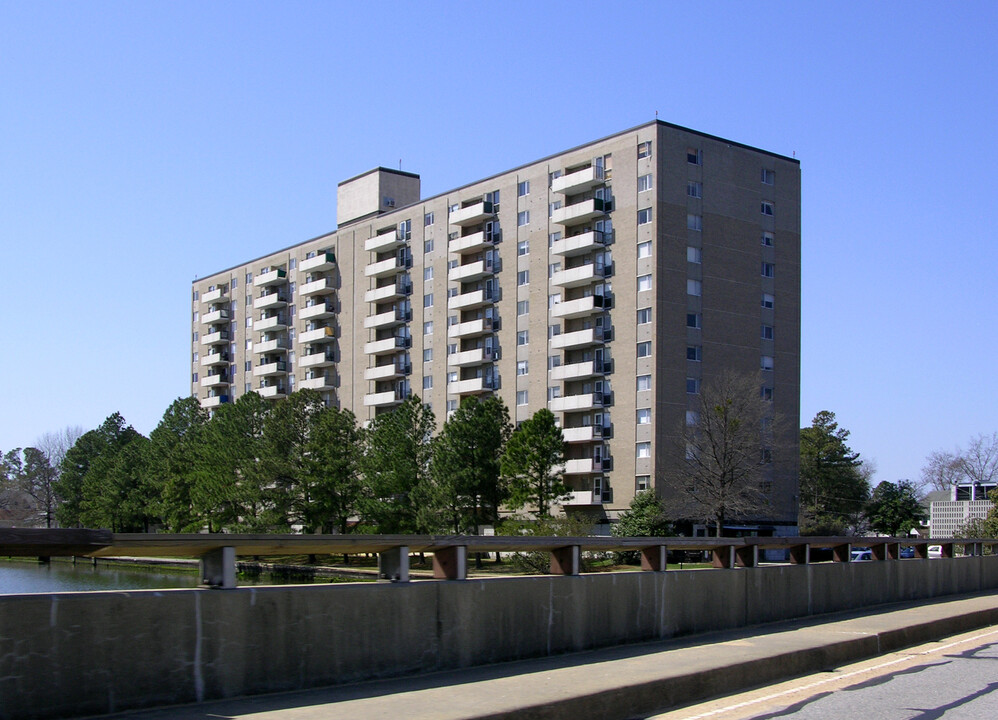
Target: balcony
[(320, 382), (475, 298), (471, 328), (215, 338), (322, 261), (272, 392), (395, 316), (270, 300), (317, 311), (319, 359), (317, 335), (473, 242), (273, 368), (381, 399), (384, 241), (579, 244), (586, 466), (384, 268), (587, 433), (580, 338), (578, 371), (214, 380), (471, 357), (215, 359), (274, 322), (472, 386), (209, 318), (581, 307), (274, 276), (386, 372), (387, 346), (320, 286), (578, 181), (471, 214), (269, 346), (214, 401), (473, 271), (583, 497), (578, 213), (397, 289), (573, 403), (213, 295), (583, 275)]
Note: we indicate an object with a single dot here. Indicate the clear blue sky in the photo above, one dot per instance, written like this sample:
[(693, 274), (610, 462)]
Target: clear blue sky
[(142, 144)]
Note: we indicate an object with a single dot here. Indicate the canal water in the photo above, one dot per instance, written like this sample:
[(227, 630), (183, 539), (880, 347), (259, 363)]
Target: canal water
[(33, 577)]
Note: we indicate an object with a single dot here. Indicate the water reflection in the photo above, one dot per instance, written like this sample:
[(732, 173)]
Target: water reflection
[(58, 576)]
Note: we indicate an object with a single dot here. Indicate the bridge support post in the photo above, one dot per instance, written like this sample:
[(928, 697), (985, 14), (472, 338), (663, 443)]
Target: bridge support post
[(393, 564), (945, 550), (922, 552), (842, 553), (747, 556), (879, 551), (566, 560), (218, 568), (800, 554), (451, 563), (722, 557), (654, 558)]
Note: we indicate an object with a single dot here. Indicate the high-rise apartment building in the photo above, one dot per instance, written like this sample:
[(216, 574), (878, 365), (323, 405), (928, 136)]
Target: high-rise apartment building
[(606, 283)]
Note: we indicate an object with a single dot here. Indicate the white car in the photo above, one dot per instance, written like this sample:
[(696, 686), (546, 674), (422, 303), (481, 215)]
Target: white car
[(862, 555), (935, 551)]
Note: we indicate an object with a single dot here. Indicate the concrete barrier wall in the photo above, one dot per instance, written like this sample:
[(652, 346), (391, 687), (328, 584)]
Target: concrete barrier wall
[(98, 652)]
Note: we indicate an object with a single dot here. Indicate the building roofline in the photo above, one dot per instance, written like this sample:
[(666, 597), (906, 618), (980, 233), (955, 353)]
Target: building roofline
[(403, 173)]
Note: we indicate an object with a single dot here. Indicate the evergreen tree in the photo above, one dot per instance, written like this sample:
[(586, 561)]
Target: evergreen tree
[(895, 509), (172, 455), (532, 464), (833, 486), (117, 493)]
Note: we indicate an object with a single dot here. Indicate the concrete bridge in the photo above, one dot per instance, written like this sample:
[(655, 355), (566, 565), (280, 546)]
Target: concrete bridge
[(70, 654)]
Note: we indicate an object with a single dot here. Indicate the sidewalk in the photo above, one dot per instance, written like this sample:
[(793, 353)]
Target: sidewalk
[(622, 682)]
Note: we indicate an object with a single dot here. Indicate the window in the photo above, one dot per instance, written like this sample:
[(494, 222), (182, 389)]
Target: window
[(452, 348), (644, 349), (428, 246), (523, 217), (767, 332), (644, 216), (554, 392), (693, 353), (644, 416), (452, 376), (451, 405), (521, 397), (766, 363), (521, 367), (644, 250), (766, 393), (428, 300), (694, 189), (644, 282), (768, 269), (522, 307), (428, 382), (644, 316), (249, 278), (693, 320), (767, 208), (554, 268), (523, 188), (235, 283), (427, 354), (694, 222), (642, 450), (428, 327), (427, 219), (644, 149), (768, 176), (692, 386), (248, 366), (554, 361), (767, 239), (644, 183), (451, 292), (522, 337), (453, 208), (694, 287), (451, 264), (493, 197), (427, 273), (249, 322), (692, 418), (552, 176), (642, 483), (554, 330), (694, 156), (694, 255), (767, 300), (522, 247), (523, 277), (643, 382), (554, 299), (452, 320), (553, 238)]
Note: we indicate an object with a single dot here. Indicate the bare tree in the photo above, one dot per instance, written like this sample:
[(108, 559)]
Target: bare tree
[(726, 446), (977, 464), (51, 448), (942, 470)]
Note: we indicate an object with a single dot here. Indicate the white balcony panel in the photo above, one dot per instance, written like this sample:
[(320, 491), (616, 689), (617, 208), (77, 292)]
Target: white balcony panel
[(579, 434), (578, 244), (274, 368), (579, 338), (212, 295), (383, 268), (322, 261), (323, 334), (214, 380), (582, 497), (578, 213), (471, 328), (471, 243), (215, 316), (471, 357), (320, 286), (580, 307), (388, 292), (469, 300), (571, 403), (272, 392), (317, 311), (269, 346), (579, 181), (574, 371), (383, 372), (215, 338), (272, 323), (214, 359), (385, 241), (577, 276), (270, 277), (472, 214), (317, 383), (581, 466), (385, 319), (471, 271), (385, 347), (469, 386), (270, 300), (214, 401), (381, 399), (320, 359)]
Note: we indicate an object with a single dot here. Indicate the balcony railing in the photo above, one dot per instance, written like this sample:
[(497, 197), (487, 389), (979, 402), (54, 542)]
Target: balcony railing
[(316, 311), (582, 275), (578, 181), (581, 307), (394, 316), (572, 403), (213, 295), (273, 322), (319, 286), (319, 359), (468, 358), (215, 338), (317, 335), (214, 401), (271, 368), (471, 214), (384, 241), (471, 328), (581, 338), (269, 300), (270, 346), (473, 242), (274, 276), (579, 212), (322, 261), (387, 345), (578, 371), (215, 316), (471, 299), (387, 372), (579, 244), (272, 392), (472, 386), (473, 271)]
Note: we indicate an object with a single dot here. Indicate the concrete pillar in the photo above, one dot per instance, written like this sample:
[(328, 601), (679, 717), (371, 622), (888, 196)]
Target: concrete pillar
[(922, 552), (879, 551), (218, 568), (654, 558), (894, 551), (393, 565), (945, 550), (566, 560), (747, 556), (800, 554), (451, 563), (722, 557), (842, 553)]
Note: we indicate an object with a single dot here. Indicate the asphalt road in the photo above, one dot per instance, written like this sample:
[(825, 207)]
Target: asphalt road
[(954, 679)]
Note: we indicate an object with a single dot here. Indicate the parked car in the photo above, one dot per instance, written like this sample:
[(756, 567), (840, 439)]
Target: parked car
[(861, 554), (908, 552), (935, 551)]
